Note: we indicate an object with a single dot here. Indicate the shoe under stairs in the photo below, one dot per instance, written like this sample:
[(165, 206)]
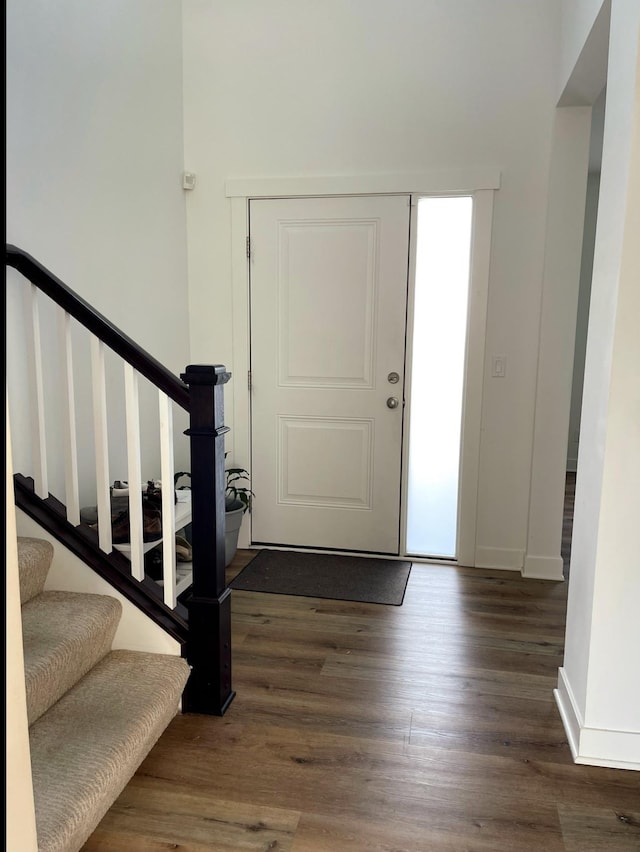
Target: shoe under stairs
[(184, 570), (94, 712)]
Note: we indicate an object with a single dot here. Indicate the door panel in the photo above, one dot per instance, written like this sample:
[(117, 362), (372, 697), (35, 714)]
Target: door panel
[(344, 480), (325, 264), (328, 312)]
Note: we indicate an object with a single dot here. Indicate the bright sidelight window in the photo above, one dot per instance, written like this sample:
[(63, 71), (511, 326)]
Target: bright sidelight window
[(443, 248)]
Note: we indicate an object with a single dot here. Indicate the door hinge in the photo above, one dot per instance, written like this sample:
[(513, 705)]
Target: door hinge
[(248, 246), (249, 379)]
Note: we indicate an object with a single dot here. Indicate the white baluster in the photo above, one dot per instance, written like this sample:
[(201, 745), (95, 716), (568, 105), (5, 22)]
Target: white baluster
[(168, 500), (38, 432), (72, 498), (134, 471), (101, 444)]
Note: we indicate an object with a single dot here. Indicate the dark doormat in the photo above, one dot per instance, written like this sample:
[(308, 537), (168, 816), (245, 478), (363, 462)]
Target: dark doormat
[(315, 575)]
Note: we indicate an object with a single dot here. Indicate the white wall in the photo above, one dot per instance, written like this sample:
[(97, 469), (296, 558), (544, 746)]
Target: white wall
[(598, 691), (94, 166), (565, 227), (298, 89), (578, 19), (93, 190)]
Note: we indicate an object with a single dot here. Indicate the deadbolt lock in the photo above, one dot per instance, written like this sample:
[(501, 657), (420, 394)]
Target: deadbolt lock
[(393, 378)]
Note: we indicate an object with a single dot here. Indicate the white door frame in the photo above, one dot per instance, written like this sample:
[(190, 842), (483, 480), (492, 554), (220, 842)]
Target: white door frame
[(478, 182)]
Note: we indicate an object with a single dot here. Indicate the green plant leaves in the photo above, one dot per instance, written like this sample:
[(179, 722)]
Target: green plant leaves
[(234, 490)]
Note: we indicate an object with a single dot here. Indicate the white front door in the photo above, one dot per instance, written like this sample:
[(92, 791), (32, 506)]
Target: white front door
[(328, 318)]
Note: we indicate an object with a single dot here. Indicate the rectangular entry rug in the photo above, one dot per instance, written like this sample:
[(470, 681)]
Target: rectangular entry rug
[(316, 575)]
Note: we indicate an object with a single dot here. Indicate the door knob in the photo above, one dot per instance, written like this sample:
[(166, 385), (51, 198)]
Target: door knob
[(392, 402)]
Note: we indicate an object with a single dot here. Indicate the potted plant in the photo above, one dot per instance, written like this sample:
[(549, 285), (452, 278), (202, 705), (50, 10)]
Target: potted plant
[(237, 501)]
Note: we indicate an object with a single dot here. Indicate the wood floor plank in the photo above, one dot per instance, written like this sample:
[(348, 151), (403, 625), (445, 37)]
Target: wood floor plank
[(173, 816), (319, 832), (341, 777), (599, 829), (363, 728)]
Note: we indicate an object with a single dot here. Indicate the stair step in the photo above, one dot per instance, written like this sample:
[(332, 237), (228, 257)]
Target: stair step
[(86, 748), (65, 634), (34, 561)]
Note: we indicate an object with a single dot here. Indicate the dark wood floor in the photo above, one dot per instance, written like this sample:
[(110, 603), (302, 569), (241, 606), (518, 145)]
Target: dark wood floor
[(366, 728), (567, 520)]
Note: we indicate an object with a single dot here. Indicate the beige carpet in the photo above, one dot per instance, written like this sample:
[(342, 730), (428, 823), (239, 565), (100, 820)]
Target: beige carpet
[(94, 713)]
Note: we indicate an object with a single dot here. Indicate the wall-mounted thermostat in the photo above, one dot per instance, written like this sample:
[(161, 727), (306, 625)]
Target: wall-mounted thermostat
[(188, 180)]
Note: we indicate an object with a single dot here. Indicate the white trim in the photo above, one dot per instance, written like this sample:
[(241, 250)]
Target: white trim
[(604, 747), (19, 804), (474, 375), (241, 326), (134, 470), (501, 558), (543, 568), (569, 712), (70, 440), (165, 413), (408, 373), (594, 746), (36, 383), (420, 183), (101, 443)]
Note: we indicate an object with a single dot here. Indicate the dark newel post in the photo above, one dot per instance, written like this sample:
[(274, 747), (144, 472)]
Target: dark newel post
[(209, 644)]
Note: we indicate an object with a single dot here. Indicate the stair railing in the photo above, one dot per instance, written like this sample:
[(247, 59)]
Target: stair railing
[(200, 392)]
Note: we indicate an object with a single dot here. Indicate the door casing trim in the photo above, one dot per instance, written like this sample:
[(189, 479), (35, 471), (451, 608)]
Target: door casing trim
[(480, 183), (447, 181)]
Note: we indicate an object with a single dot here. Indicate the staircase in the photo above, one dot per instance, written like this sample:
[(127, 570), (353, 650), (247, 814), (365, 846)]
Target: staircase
[(94, 713), (195, 610)]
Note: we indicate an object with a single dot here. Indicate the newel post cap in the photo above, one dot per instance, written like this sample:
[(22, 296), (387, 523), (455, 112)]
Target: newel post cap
[(205, 374)]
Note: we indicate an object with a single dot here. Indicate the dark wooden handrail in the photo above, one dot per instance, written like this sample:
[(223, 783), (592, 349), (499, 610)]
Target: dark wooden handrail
[(99, 325), (208, 641)]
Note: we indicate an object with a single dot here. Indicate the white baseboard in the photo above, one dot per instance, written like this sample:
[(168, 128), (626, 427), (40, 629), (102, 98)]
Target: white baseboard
[(569, 712), (502, 558), (594, 746), (543, 567)]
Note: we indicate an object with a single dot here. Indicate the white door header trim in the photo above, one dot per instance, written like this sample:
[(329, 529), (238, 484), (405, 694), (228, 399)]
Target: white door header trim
[(437, 181)]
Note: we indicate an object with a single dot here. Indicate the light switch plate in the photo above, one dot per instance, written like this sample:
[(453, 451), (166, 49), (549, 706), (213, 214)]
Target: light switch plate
[(188, 180), (499, 366)]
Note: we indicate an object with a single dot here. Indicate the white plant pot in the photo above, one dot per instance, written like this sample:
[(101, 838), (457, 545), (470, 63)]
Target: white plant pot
[(233, 522)]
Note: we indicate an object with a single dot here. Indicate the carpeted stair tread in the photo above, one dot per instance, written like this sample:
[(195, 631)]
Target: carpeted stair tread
[(64, 635), (34, 561), (86, 748)]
